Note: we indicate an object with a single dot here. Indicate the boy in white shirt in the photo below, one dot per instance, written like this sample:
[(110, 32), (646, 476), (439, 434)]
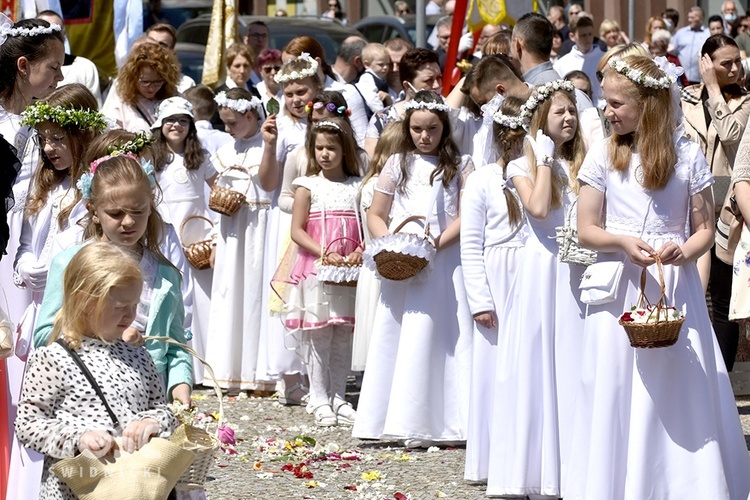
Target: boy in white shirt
[(584, 56), (373, 83)]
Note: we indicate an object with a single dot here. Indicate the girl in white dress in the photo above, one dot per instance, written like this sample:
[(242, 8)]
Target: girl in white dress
[(415, 387), (237, 347), (492, 240), (326, 229), (368, 286), (537, 351), (183, 170), (299, 83), (651, 423)]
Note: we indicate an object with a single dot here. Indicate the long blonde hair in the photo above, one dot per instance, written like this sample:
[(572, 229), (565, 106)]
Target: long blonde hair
[(572, 151), (87, 282), (387, 146), (653, 134)]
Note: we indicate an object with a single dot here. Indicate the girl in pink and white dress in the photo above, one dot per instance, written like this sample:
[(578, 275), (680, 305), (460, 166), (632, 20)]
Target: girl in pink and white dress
[(492, 240), (325, 226), (651, 423), (418, 364)]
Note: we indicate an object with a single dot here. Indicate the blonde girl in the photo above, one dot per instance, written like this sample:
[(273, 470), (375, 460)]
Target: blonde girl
[(538, 355), (57, 415), (241, 274), (325, 226), (368, 287), (492, 240), (119, 194), (646, 194), (419, 354)]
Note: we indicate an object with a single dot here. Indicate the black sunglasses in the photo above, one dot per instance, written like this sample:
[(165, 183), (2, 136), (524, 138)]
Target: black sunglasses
[(599, 76)]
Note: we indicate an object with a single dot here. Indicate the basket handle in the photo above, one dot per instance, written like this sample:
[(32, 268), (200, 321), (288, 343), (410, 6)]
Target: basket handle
[(237, 167), (191, 351), (410, 219), (642, 299), (328, 246), (182, 226)]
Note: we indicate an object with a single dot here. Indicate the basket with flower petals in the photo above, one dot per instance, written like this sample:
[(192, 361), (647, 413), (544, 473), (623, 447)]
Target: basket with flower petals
[(652, 325)]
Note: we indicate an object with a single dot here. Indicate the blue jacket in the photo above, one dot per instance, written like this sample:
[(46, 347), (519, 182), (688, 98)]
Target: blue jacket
[(166, 318)]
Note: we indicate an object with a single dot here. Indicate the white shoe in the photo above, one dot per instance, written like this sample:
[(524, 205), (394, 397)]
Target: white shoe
[(324, 416), (345, 414), (413, 443)]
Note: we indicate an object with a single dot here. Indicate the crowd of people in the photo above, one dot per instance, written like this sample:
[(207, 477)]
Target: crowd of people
[(247, 221)]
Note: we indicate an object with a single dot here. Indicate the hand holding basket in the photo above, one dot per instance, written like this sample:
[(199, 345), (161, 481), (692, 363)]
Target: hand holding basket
[(343, 274), (224, 199)]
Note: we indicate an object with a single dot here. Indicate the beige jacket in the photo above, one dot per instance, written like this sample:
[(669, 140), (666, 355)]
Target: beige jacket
[(721, 141)]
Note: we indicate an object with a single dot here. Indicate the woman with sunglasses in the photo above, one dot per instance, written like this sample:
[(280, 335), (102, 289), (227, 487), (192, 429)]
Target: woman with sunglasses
[(268, 64), (334, 12), (149, 76)]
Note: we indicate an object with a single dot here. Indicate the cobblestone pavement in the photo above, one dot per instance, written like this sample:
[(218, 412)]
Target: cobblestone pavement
[(273, 440)]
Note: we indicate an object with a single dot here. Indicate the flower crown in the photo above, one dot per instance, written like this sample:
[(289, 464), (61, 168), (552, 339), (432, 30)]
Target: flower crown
[(637, 76), (432, 106), (140, 141), (40, 112), (326, 123), (84, 183), (283, 77), (341, 110), (239, 105), (7, 29), (542, 93), (510, 121)]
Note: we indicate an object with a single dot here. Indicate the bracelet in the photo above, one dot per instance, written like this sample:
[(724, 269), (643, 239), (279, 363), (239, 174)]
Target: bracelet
[(545, 161)]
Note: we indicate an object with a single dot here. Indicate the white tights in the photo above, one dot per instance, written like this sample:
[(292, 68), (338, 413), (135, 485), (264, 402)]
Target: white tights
[(330, 361)]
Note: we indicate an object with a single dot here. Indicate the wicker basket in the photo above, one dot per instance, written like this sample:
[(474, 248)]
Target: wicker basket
[(569, 250), (326, 269), (399, 266), (198, 253), (224, 199), (203, 444), (660, 334)]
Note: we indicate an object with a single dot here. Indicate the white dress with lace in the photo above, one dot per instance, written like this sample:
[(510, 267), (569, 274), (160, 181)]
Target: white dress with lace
[(654, 423), (237, 346), (417, 378), (538, 360)]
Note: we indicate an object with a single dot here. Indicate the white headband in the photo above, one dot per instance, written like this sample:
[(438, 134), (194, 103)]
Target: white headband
[(542, 93), (509, 121), (7, 29), (432, 106), (326, 123), (239, 105), (637, 76), (282, 77)]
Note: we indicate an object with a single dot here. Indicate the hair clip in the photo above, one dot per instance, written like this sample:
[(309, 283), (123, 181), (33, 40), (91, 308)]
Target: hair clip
[(331, 107), (309, 106), (318, 105), (341, 110)]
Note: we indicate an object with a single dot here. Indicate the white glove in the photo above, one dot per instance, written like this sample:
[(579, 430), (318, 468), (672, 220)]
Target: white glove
[(466, 42), (543, 146), (33, 276)]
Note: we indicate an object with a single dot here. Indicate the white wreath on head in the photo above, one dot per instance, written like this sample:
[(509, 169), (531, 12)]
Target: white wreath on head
[(239, 105), (432, 106), (510, 121), (7, 29), (542, 93), (637, 76), (283, 77)]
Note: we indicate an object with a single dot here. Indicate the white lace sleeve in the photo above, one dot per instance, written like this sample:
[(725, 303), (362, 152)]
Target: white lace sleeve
[(593, 171), (467, 167), (700, 172), (390, 176), (518, 168)]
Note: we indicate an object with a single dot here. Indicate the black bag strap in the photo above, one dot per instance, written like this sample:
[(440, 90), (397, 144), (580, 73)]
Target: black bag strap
[(87, 374)]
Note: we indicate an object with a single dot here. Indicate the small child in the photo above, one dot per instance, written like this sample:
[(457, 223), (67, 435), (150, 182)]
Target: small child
[(373, 83), (325, 226), (59, 414)]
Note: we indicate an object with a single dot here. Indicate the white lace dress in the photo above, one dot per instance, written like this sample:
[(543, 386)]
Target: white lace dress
[(184, 196), (417, 378), (654, 423), (237, 346), (538, 360), (491, 254)]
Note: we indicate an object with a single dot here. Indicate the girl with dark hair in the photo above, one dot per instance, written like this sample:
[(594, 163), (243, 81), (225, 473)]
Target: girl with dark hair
[(716, 113), (418, 361)]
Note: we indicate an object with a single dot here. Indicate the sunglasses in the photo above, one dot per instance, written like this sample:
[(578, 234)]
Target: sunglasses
[(268, 69), (746, 26), (599, 76)]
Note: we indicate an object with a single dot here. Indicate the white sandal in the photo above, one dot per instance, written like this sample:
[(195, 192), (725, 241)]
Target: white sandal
[(294, 395), (345, 414), (324, 416)]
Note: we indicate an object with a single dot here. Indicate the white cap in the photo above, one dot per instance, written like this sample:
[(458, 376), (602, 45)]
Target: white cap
[(172, 106)]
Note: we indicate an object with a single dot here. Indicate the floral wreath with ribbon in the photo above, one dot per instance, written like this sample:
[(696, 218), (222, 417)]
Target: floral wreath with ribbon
[(542, 93), (283, 77), (41, 112), (7, 29), (671, 73)]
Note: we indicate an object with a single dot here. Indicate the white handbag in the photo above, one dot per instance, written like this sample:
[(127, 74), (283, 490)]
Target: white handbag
[(600, 282)]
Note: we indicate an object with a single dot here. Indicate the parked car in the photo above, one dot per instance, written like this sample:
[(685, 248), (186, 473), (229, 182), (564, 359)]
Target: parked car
[(330, 34), (191, 57), (175, 12), (379, 29)]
